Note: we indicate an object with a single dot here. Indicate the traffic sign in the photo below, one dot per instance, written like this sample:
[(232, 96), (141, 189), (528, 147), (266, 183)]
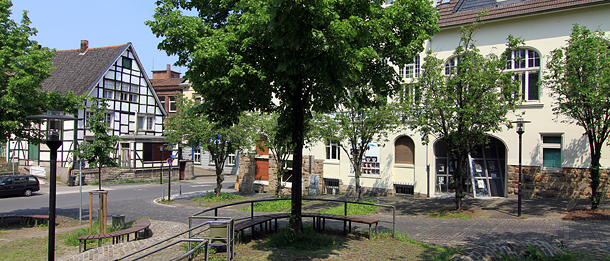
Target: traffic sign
[(170, 161)]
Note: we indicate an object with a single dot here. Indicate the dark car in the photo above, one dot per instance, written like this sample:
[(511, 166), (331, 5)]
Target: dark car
[(19, 185)]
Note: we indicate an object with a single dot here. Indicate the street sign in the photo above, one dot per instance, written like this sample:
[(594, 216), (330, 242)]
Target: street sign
[(170, 161), (173, 156)]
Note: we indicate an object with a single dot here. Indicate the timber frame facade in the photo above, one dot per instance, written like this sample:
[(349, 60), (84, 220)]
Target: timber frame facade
[(134, 114)]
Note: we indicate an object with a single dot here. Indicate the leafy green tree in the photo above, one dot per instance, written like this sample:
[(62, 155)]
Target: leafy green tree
[(267, 134), (189, 124), (98, 152), (579, 79), (25, 65), (305, 54), (356, 126), (462, 104)]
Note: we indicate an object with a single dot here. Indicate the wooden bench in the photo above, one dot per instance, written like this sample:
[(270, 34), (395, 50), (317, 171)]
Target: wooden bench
[(118, 236), (27, 219), (319, 221)]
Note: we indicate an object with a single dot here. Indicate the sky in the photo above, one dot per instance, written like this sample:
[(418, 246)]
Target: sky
[(62, 24)]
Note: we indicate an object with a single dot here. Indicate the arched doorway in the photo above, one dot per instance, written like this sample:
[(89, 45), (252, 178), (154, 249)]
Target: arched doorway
[(487, 170)]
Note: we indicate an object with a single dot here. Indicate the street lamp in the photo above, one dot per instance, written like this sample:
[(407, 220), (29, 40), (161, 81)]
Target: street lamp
[(54, 138), (520, 130)]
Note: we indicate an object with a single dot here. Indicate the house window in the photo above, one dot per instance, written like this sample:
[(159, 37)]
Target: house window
[(108, 94), (410, 71), (526, 66), (88, 115), (146, 122), (231, 160), (172, 103), (404, 149), (108, 118), (551, 151), (332, 150), (126, 63), (450, 66), (152, 152), (150, 123), (162, 100), (134, 88)]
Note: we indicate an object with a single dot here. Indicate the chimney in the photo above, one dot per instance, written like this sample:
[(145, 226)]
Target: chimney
[(84, 45), (168, 71)]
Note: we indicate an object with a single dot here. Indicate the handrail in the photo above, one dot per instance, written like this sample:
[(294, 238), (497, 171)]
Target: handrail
[(251, 202), (165, 240)]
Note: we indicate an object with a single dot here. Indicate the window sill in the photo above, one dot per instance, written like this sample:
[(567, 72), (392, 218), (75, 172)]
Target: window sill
[(404, 166), (367, 176), (261, 157), (332, 162), (261, 182), (526, 105)]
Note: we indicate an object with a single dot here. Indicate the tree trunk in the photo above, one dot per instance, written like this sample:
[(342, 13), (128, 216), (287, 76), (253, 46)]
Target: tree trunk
[(298, 114), (358, 188), (99, 177), (595, 178), (219, 181)]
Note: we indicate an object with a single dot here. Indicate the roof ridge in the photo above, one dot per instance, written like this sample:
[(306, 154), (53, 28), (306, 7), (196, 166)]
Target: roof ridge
[(101, 47)]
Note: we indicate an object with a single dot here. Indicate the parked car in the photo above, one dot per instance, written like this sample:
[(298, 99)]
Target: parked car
[(19, 185)]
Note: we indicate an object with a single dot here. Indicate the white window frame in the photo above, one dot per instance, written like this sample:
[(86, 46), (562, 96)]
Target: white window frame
[(197, 156), (530, 64), (172, 103), (108, 118), (332, 147), (150, 123), (558, 146), (411, 70), (143, 122), (231, 159)]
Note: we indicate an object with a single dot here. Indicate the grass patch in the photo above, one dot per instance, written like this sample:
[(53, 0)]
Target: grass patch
[(352, 209), (270, 206), (71, 238), (445, 213), (211, 197), (440, 253), (308, 240)]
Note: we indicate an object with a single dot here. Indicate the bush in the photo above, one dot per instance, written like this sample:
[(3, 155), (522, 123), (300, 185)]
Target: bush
[(308, 240), (211, 197)]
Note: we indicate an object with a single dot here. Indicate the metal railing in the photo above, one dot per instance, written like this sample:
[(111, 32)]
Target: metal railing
[(251, 202)]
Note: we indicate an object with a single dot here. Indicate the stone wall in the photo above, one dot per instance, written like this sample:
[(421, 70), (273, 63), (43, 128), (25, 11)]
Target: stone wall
[(564, 183), (247, 171), (121, 174)]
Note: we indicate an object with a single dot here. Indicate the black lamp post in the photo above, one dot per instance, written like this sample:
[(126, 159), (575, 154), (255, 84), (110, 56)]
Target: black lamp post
[(520, 130), (54, 138)]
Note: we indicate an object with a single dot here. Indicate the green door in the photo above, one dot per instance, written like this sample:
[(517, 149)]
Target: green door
[(33, 151)]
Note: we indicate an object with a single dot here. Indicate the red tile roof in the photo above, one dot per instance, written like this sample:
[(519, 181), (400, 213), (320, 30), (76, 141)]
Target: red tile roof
[(450, 17)]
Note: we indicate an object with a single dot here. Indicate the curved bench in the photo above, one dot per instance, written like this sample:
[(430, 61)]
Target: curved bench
[(27, 218), (117, 236), (319, 221)]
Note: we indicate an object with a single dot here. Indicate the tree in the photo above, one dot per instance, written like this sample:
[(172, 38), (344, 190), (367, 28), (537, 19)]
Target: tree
[(304, 54), (25, 66), (464, 103), (98, 152), (189, 124), (267, 134), (579, 79), (357, 126)]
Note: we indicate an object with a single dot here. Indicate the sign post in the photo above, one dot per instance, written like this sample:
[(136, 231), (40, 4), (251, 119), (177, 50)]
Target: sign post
[(169, 179)]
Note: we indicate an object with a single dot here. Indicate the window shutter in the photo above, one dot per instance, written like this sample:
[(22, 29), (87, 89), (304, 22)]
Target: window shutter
[(404, 150)]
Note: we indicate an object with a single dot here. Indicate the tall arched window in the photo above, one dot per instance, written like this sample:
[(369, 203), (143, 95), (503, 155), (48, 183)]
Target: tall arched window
[(404, 150), (526, 66)]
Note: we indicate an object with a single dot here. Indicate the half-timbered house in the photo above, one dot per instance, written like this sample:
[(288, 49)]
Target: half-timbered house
[(135, 113)]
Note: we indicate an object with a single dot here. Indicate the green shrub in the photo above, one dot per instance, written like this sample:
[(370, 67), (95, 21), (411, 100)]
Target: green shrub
[(308, 240), (352, 209), (211, 197)]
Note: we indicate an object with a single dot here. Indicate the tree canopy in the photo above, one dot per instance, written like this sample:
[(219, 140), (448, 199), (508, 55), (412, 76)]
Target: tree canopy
[(462, 102), (579, 79), (189, 125), (25, 66), (98, 152), (291, 57)]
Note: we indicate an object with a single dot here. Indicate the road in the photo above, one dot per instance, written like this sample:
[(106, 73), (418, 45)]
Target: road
[(131, 200)]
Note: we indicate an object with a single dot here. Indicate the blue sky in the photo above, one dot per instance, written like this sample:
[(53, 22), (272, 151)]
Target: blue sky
[(62, 24)]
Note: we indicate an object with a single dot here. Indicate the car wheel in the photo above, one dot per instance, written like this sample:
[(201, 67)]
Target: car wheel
[(27, 192)]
